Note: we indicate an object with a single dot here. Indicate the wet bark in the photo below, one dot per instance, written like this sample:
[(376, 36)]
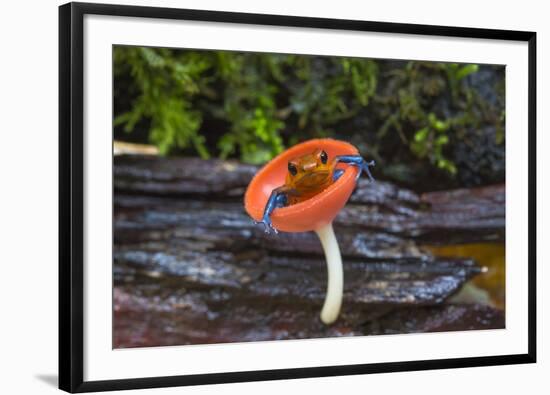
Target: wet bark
[(148, 318), (465, 215), (191, 267)]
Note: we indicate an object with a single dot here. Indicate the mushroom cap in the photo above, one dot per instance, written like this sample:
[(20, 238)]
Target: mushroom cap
[(312, 213)]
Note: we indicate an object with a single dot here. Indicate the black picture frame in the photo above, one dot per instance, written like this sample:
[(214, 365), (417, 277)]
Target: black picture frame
[(71, 198)]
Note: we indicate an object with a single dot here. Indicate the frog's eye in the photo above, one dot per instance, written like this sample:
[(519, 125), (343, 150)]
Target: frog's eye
[(324, 157), (292, 168)]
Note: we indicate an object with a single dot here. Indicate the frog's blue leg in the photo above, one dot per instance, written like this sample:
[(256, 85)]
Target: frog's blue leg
[(277, 199), (337, 174), (357, 160)]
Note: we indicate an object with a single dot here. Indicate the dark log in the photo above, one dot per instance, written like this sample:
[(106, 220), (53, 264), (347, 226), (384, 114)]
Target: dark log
[(448, 317), (190, 266), (477, 212), (152, 175), (199, 245), (145, 319), (225, 224), (468, 215), (447, 217), (258, 275)]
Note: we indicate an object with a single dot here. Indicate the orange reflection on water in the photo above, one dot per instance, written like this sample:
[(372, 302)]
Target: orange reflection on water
[(490, 255)]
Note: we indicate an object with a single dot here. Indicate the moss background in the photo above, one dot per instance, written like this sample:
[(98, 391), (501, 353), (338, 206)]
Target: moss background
[(429, 125)]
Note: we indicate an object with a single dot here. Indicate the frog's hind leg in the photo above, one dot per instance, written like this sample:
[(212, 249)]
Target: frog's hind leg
[(357, 160), (277, 199)]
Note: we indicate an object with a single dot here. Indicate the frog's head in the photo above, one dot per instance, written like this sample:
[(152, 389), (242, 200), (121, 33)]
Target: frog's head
[(310, 171)]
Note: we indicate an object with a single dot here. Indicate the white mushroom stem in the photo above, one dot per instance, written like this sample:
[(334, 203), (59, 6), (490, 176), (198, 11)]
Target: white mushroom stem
[(335, 286)]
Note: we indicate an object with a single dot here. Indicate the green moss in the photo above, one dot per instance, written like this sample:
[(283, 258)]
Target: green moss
[(252, 106)]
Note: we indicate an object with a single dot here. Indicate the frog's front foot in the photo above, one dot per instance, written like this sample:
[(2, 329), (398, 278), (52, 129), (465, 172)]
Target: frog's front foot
[(359, 162), (365, 167), (268, 226)]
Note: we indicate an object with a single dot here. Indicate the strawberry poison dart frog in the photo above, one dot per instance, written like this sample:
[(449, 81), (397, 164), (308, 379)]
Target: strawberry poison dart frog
[(307, 176)]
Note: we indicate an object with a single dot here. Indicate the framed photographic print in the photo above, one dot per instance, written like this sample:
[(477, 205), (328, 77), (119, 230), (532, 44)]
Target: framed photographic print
[(253, 197)]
